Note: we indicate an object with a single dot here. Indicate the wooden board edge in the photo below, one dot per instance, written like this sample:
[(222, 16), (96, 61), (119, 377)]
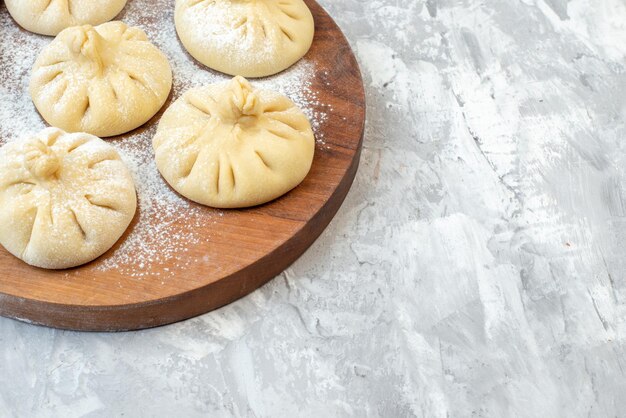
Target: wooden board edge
[(190, 304)]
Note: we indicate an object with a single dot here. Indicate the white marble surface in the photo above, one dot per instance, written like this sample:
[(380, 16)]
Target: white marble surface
[(477, 268)]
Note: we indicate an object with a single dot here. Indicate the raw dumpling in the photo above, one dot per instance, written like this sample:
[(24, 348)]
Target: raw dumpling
[(105, 81), (65, 199), (49, 17), (251, 38), (228, 145)]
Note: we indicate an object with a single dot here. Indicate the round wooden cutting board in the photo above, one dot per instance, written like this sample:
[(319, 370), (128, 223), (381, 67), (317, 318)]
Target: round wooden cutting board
[(228, 254)]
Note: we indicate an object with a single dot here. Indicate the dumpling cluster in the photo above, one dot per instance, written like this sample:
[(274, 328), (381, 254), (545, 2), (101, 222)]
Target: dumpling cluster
[(228, 145), (49, 17), (251, 38), (104, 80), (65, 199)]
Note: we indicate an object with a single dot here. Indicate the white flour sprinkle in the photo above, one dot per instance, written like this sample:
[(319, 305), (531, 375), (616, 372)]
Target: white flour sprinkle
[(155, 239)]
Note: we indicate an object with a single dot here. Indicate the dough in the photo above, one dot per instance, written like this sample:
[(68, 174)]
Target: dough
[(105, 81), (228, 145), (251, 38), (49, 17), (65, 199)]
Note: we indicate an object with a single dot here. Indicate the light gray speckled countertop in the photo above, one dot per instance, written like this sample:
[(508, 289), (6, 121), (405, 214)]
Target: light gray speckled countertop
[(477, 268)]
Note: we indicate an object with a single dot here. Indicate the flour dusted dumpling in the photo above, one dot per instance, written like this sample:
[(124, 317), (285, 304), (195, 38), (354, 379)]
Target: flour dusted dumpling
[(104, 80), (228, 145), (65, 199), (49, 17), (251, 38)]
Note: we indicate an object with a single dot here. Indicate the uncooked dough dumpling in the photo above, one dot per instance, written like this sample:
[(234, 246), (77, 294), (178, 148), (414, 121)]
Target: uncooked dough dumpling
[(228, 145), (104, 80), (49, 17), (251, 38), (65, 199)]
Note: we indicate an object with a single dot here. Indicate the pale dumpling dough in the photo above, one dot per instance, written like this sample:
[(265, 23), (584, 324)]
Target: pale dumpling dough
[(49, 17), (228, 145), (65, 199), (104, 80), (251, 38)]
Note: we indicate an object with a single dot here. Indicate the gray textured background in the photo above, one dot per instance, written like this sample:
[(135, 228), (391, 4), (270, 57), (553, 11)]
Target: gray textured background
[(477, 268)]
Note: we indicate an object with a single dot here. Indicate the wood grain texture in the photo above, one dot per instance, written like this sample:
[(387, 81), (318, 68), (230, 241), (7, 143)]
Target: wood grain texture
[(240, 251)]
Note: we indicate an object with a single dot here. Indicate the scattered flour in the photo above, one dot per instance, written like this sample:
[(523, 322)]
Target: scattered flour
[(156, 238)]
